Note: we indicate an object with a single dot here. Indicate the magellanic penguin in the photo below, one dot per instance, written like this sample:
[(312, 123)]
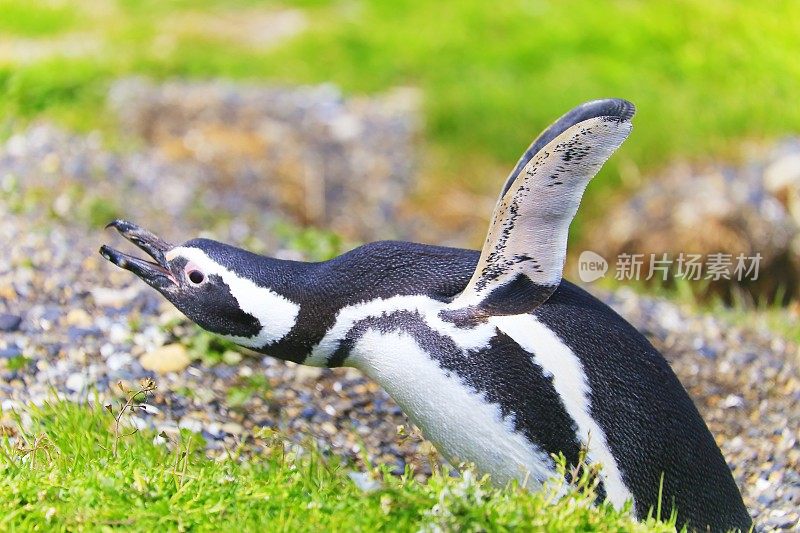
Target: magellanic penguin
[(498, 360)]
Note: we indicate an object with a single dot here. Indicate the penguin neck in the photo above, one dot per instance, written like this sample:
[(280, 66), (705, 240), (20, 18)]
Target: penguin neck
[(378, 270)]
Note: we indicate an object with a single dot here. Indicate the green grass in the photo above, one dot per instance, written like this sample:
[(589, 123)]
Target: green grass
[(65, 477), (36, 18), (705, 75)]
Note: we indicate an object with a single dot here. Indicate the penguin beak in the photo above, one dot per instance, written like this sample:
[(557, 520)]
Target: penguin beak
[(155, 273)]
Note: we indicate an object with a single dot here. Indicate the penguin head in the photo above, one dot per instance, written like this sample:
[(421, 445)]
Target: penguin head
[(224, 289)]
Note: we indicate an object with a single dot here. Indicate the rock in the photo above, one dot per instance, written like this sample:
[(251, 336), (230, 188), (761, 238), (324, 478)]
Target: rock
[(150, 409), (782, 178), (75, 334), (305, 152), (105, 297), (76, 382), (364, 481), (79, 318), (118, 361), (746, 210), (232, 428), (307, 373), (10, 352), (231, 357), (192, 424), (781, 523), (9, 322), (165, 359)]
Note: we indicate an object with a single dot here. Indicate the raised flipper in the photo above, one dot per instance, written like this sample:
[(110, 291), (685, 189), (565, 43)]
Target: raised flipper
[(610, 107), (523, 258)]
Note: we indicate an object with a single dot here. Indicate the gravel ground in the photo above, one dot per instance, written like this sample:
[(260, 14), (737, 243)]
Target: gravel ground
[(71, 323)]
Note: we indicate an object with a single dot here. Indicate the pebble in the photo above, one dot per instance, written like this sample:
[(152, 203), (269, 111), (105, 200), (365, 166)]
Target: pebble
[(232, 428), (150, 409), (10, 352), (364, 481), (231, 357), (165, 359), (118, 361), (76, 382), (193, 425), (9, 322), (79, 318), (113, 297)]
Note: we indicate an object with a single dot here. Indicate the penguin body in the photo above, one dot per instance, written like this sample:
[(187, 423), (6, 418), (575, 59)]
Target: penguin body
[(499, 361)]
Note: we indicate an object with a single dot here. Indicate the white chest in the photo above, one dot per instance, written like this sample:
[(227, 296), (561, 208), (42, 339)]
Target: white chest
[(462, 425)]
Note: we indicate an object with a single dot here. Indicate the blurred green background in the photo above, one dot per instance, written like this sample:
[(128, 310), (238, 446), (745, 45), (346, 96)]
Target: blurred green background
[(705, 75)]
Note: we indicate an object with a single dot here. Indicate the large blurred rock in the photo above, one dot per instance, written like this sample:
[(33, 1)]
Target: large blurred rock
[(747, 210), (346, 164)]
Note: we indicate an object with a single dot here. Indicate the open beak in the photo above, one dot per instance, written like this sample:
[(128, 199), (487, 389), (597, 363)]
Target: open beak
[(156, 272)]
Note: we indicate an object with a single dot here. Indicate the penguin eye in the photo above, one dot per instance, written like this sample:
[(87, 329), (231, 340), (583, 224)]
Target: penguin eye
[(196, 277)]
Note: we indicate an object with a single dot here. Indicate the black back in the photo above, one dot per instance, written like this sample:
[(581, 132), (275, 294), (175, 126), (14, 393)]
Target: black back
[(651, 424)]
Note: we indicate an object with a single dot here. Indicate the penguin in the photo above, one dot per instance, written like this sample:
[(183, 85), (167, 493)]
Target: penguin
[(499, 361)]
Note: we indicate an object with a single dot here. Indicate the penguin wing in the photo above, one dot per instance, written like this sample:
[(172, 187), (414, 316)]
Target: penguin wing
[(523, 257), (609, 107)]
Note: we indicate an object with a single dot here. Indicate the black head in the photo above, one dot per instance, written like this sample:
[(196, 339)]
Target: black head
[(224, 289)]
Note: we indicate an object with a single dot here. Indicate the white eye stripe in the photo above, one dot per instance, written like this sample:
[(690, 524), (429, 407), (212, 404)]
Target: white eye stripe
[(276, 314)]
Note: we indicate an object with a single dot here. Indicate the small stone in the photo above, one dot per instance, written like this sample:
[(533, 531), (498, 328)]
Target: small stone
[(136, 422), (150, 409), (9, 322), (781, 522), (107, 350), (78, 318), (364, 481), (303, 373), (165, 359), (118, 361), (10, 352), (114, 297), (7, 292), (118, 333), (169, 429), (75, 334), (76, 382), (193, 425), (732, 401), (232, 428), (231, 357)]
